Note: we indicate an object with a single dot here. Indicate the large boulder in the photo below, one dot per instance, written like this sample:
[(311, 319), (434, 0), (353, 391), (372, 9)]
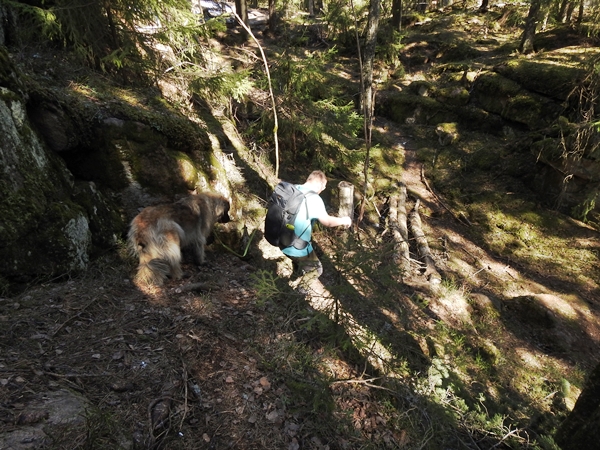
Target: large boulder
[(76, 167), (42, 231)]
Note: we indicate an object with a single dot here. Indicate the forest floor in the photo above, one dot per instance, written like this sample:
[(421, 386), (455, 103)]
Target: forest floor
[(177, 368), (230, 358)]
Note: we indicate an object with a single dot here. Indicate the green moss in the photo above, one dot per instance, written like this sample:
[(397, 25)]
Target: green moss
[(548, 149), (458, 51), (524, 109), (187, 169), (477, 119), (495, 83), (105, 220), (59, 246), (453, 95), (31, 188), (451, 127), (421, 87), (493, 90), (8, 77), (549, 78), (402, 107)]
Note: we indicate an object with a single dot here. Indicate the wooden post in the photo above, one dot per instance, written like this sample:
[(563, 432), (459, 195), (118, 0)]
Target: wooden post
[(346, 199)]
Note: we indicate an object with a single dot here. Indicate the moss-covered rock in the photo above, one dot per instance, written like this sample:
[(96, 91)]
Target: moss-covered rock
[(423, 88), (500, 95), (58, 245), (492, 91), (406, 108), (79, 160), (8, 77), (547, 78), (106, 222), (447, 133), (457, 50), (474, 118), (42, 233), (453, 95)]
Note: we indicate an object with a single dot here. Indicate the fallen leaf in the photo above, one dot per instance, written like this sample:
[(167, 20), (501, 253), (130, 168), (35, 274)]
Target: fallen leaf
[(273, 416)]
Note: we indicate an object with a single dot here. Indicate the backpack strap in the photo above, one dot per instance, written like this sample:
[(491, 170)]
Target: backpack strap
[(299, 243)]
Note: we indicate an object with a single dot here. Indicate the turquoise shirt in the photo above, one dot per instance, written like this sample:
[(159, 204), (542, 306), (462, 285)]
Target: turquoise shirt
[(303, 224)]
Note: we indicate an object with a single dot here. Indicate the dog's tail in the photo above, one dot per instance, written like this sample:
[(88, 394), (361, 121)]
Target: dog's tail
[(157, 246)]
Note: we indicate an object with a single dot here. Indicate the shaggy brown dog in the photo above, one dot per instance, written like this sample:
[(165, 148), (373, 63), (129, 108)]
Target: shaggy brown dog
[(157, 234)]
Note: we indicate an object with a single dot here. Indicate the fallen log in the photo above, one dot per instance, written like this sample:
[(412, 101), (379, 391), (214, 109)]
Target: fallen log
[(431, 271), (397, 222)]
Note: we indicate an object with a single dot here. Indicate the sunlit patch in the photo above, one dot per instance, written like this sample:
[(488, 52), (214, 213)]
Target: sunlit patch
[(392, 315), (157, 295), (564, 306), (201, 304), (452, 303), (463, 268), (529, 358)]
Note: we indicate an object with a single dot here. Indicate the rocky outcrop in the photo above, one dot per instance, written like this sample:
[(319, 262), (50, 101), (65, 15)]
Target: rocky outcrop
[(42, 230), (76, 168), (519, 97)]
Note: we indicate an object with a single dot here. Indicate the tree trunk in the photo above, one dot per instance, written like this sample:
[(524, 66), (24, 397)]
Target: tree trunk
[(530, 26), (241, 9), (367, 88), (319, 7), (272, 15), (370, 44), (580, 429), (397, 15), (570, 9), (581, 8), (562, 12)]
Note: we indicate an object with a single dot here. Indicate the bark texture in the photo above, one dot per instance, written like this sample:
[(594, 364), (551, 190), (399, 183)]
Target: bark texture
[(398, 224), (431, 271), (346, 199), (530, 27)]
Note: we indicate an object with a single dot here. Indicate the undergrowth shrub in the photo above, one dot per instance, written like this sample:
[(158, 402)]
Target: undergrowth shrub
[(341, 23), (317, 118), (219, 86)]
